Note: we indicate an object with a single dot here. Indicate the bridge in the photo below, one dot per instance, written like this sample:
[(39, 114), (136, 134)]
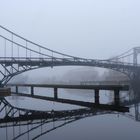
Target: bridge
[(18, 55)]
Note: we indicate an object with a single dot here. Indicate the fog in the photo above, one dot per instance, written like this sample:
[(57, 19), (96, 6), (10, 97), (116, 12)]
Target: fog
[(84, 28), (91, 29), (95, 29)]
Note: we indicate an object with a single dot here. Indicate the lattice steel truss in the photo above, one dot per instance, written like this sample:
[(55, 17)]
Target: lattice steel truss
[(11, 116)]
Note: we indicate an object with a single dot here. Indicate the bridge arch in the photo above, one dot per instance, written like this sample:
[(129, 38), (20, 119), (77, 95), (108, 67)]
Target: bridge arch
[(54, 66)]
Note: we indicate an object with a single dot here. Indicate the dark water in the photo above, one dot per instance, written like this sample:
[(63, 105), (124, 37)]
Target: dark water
[(100, 126)]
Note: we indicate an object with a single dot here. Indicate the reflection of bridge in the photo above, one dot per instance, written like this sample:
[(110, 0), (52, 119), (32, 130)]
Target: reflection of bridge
[(19, 55), (13, 119), (16, 118)]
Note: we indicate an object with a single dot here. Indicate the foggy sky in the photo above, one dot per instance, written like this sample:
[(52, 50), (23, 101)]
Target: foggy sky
[(84, 28)]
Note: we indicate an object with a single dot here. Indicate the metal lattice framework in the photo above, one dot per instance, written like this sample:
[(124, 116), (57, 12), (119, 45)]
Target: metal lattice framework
[(14, 117), (19, 55)]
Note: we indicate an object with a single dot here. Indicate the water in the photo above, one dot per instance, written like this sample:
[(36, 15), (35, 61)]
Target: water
[(111, 125)]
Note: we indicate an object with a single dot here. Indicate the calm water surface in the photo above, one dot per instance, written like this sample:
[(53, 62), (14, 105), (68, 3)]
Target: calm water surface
[(112, 126)]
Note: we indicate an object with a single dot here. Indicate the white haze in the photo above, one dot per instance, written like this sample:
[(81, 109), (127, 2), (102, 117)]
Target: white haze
[(85, 28)]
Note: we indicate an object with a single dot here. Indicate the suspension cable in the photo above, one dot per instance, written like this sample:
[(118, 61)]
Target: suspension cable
[(42, 47), (26, 49), (5, 48), (125, 56), (18, 51), (121, 55), (12, 45), (36, 43), (24, 46)]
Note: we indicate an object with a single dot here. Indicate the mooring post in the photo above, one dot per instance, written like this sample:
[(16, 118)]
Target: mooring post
[(96, 96), (55, 93), (16, 89), (116, 97), (32, 90)]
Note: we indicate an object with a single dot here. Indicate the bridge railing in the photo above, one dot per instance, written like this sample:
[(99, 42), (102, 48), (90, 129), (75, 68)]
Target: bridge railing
[(66, 59), (117, 62)]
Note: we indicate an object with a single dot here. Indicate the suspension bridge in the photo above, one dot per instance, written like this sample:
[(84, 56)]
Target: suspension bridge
[(18, 55)]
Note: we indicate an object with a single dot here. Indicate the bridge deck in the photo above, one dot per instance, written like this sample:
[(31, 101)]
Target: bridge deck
[(111, 107), (116, 88), (94, 87)]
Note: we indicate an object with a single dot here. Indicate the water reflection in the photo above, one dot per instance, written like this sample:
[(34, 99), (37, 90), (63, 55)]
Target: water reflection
[(19, 123), (16, 119)]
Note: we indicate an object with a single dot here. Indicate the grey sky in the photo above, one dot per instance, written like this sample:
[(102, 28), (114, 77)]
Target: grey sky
[(85, 28)]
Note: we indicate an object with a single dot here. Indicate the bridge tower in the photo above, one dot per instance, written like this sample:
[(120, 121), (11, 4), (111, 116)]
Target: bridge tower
[(136, 81), (136, 51), (136, 72)]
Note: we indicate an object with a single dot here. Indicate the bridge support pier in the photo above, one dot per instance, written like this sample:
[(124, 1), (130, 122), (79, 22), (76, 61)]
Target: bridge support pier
[(55, 93), (32, 90), (116, 97), (16, 89), (96, 96)]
